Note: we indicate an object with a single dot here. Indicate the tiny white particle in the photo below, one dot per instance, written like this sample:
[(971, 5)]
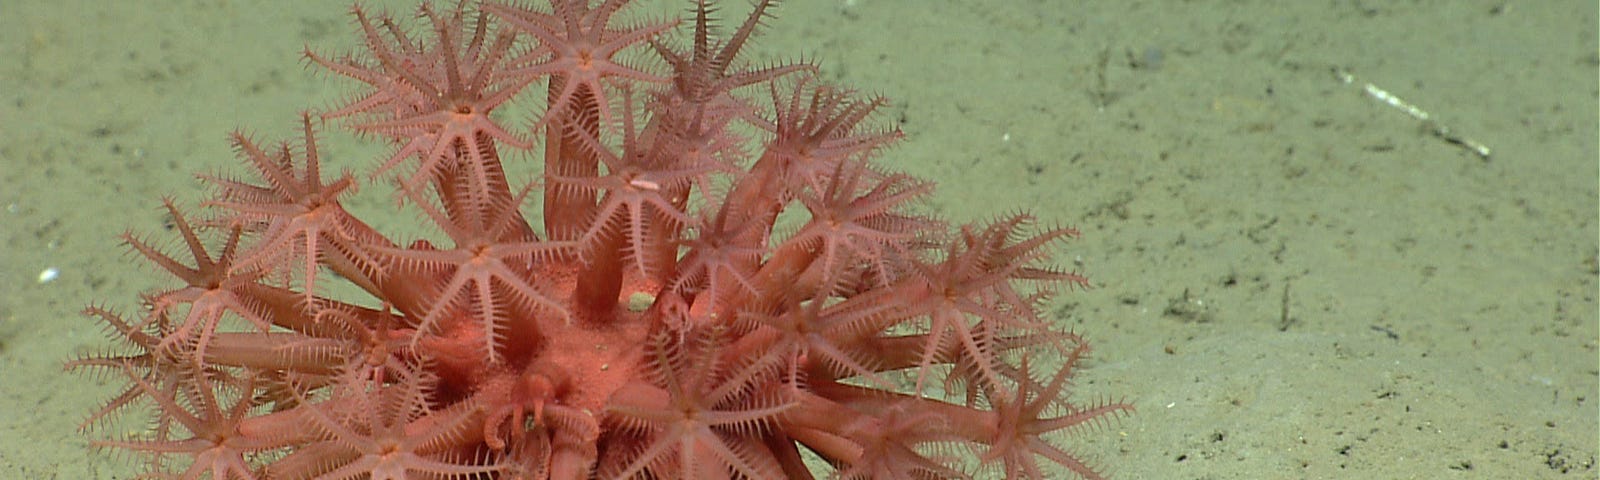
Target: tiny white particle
[(644, 185), (48, 275), (1005, 137)]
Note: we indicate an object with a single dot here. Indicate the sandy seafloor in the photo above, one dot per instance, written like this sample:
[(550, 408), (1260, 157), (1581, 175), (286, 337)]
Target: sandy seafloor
[(1292, 279)]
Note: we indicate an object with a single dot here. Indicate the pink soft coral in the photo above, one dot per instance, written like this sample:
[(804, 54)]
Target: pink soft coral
[(653, 323)]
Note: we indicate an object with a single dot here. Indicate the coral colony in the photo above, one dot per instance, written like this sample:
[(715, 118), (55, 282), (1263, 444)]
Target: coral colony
[(721, 283)]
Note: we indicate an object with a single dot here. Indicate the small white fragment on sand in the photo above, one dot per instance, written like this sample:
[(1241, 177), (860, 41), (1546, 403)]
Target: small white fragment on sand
[(48, 275)]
